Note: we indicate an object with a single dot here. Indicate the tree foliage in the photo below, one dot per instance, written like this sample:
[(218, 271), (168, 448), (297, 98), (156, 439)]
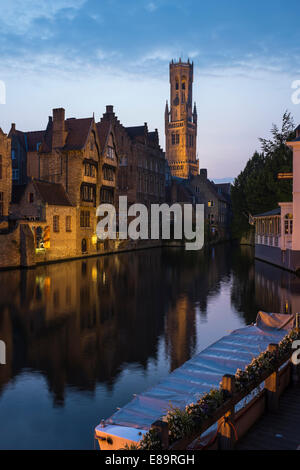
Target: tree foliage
[(257, 188)]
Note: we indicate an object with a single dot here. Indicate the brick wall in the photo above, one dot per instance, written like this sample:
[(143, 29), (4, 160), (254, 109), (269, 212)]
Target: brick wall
[(5, 172)]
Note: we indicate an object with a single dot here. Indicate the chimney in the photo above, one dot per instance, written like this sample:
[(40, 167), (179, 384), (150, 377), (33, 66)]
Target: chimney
[(59, 133), (109, 109), (203, 172)]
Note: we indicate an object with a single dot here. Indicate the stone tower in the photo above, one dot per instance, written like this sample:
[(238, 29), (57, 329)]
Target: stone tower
[(181, 122)]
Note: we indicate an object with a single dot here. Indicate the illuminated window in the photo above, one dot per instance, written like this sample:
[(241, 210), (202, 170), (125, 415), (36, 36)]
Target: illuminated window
[(210, 203), (110, 153), (288, 224)]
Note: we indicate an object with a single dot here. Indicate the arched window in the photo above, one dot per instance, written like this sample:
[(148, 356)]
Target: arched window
[(288, 224)]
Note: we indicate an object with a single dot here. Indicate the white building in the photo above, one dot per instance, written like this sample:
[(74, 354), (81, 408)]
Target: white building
[(277, 232)]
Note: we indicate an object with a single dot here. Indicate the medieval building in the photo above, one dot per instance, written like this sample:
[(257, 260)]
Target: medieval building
[(5, 176), (181, 122), (141, 173), (75, 157)]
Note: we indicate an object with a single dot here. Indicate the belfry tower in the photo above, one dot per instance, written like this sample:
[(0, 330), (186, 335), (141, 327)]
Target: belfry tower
[(181, 122)]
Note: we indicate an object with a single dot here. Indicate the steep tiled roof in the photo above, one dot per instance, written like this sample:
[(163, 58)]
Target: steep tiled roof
[(78, 130), (103, 128), (47, 142), (28, 140), (17, 192), (52, 193), (135, 131), (34, 138)]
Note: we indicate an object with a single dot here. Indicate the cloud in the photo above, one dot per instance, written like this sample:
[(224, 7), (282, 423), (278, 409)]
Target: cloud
[(17, 16), (151, 7)]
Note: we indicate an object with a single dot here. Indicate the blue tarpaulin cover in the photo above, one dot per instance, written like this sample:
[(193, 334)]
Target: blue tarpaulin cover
[(201, 373)]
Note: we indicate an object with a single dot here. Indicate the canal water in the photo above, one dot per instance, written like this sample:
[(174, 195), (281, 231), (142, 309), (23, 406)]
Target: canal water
[(83, 336)]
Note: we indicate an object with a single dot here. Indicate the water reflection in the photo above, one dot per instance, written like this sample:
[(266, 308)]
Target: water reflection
[(103, 328)]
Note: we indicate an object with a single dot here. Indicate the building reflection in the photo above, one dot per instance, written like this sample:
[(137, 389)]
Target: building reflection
[(79, 323), (276, 290)]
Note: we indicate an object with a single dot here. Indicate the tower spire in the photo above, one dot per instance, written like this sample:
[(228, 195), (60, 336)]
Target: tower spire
[(195, 116), (181, 121)]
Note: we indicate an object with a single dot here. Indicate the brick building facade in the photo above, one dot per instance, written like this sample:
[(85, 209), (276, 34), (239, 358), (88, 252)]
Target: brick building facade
[(181, 122), (51, 216), (5, 175), (142, 163), (82, 158), (217, 204)]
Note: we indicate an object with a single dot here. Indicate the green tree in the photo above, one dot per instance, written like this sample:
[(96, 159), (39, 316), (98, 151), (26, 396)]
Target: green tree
[(257, 188)]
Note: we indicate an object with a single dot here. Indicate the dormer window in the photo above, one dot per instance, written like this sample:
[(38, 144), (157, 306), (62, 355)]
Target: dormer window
[(110, 153)]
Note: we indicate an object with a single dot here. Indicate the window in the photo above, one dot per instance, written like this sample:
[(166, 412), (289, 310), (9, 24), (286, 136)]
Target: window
[(56, 223), (108, 173), (88, 193), (177, 86), (110, 153), (84, 219), (107, 195), (1, 203), (68, 223), (90, 170), (190, 140), (15, 174), (13, 154), (210, 203), (288, 224), (175, 139)]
